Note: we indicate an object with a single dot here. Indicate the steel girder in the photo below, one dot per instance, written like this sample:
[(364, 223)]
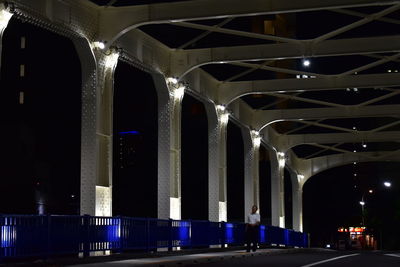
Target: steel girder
[(263, 118), (233, 90), (184, 61)]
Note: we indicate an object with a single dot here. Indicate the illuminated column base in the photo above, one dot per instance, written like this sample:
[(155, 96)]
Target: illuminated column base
[(103, 201), (282, 221), (223, 214), (175, 208)]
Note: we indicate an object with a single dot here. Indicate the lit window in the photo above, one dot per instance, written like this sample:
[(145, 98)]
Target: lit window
[(23, 42), (21, 98), (22, 70)]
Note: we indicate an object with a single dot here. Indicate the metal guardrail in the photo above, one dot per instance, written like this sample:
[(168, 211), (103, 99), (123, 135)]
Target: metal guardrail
[(43, 236)]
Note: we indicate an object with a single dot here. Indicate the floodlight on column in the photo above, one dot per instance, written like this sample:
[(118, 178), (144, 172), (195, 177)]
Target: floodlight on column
[(300, 177), (362, 203), (255, 136), (179, 92), (172, 80), (5, 17), (111, 60), (99, 45), (220, 108), (224, 118), (306, 62), (281, 159)]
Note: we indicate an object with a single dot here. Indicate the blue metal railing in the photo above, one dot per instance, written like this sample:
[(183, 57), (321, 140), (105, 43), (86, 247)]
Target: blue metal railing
[(42, 236)]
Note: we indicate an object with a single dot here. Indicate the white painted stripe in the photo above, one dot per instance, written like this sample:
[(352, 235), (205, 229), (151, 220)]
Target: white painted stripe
[(393, 255), (332, 259)]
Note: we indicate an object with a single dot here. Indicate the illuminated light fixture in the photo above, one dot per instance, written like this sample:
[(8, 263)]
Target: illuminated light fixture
[(222, 62), (281, 154), (99, 45), (354, 128), (362, 203), (306, 62), (255, 136), (354, 163), (172, 80), (111, 60), (355, 174), (355, 89), (354, 150), (224, 118), (389, 70), (257, 141), (387, 184), (347, 89), (301, 176), (5, 17), (396, 71), (370, 191), (179, 92), (220, 107), (364, 145)]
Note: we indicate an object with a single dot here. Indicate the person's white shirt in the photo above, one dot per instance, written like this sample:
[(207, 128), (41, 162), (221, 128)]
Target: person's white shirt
[(253, 218)]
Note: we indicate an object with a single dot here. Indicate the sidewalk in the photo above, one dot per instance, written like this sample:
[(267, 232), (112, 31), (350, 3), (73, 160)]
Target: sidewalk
[(159, 259)]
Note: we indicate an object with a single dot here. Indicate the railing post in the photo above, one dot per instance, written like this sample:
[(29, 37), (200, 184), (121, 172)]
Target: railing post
[(147, 234), (222, 233), (86, 241), (170, 245), (121, 234), (49, 246)]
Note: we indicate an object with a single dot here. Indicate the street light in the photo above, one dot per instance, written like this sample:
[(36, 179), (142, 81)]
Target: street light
[(387, 184)]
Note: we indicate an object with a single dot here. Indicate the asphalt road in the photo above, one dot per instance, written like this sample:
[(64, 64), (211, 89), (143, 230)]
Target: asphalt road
[(328, 259)]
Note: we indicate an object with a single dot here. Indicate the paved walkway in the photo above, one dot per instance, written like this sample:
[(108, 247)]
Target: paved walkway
[(195, 258)]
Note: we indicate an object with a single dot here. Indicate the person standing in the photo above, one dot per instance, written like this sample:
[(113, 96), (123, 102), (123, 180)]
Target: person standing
[(253, 221)]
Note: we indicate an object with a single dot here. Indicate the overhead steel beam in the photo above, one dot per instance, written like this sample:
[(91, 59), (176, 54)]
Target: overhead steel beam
[(263, 118), (289, 141), (115, 21), (313, 166), (233, 90), (183, 61)]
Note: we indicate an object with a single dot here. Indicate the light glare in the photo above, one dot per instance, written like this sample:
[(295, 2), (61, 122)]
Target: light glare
[(387, 184), (306, 62)]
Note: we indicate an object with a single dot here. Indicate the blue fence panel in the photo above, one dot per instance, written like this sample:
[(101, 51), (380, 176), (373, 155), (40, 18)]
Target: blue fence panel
[(200, 235), (66, 234), (159, 233), (25, 236), (103, 233), (180, 233), (133, 233), (277, 235), (262, 235)]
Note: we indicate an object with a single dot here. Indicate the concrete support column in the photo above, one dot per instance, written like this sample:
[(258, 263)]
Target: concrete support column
[(5, 17), (277, 189), (217, 199), (251, 142), (170, 94), (297, 196), (96, 135), (105, 98)]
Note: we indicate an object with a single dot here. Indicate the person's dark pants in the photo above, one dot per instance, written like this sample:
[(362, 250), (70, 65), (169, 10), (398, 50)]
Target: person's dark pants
[(251, 237)]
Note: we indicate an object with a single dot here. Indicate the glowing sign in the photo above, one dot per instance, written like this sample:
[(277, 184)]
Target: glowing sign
[(129, 132), (352, 229)]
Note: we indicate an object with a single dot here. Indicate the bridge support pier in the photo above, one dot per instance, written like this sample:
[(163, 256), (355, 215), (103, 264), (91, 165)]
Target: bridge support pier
[(251, 170), (277, 189)]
